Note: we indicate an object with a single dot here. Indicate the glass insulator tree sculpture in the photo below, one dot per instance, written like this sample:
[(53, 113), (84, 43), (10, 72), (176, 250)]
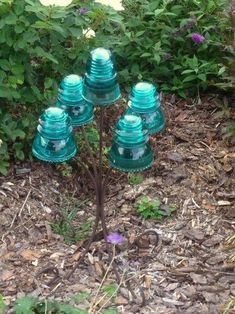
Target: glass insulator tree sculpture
[(130, 150)]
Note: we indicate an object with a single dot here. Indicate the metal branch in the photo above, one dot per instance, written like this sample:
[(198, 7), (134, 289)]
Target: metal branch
[(90, 152), (101, 127)]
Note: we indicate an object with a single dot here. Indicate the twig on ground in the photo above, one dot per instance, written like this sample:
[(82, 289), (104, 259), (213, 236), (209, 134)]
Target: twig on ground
[(21, 209)]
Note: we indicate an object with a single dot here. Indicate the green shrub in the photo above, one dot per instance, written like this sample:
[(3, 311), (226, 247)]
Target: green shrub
[(39, 45), (157, 43)]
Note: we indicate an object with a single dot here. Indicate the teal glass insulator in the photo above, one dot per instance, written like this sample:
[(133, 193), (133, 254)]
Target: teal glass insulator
[(54, 141), (100, 82), (144, 102), (71, 100), (130, 151)]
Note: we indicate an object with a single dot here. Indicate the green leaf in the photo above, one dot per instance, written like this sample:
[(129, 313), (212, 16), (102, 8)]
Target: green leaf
[(157, 58), (25, 305), (17, 133), (146, 54), (17, 69), (18, 151), (48, 82), (110, 289), (187, 71), (190, 78), (3, 306), (139, 33), (222, 70), (11, 19), (4, 166), (202, 77), (43, 54), (182, 94), (79, 297), (158, 12), (4, 64)]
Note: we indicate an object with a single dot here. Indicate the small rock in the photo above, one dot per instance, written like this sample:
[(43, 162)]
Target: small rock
[(124, 292), (224, 203), (172, 286), (210, 297), (189, 291), (179, 174), (20, 171), (216, 239), (200, 279), (126, 209), (220, 257), (171, 301), (232, 289), (120, 300), (180, 225), (226, 280), (194, 234), (174, 156), (120, 203), (198, 308)]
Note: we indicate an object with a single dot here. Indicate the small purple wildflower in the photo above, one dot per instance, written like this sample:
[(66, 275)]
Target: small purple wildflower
[(215, 29), (177, 32), (191, 23), (197, 38), (115, 238), (166, 56), (83, 11)]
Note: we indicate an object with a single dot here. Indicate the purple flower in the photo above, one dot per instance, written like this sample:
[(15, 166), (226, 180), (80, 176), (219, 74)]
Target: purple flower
[(197, 38), (191, 23), (177, 32), (166, 56), (115, 238), (83, 11)]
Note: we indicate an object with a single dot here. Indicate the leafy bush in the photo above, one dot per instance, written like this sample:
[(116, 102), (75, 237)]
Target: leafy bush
[(15, 136), (157, 43), (39, 45)]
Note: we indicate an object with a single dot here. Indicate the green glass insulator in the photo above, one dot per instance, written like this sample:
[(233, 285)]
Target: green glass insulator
[(100, 81), (54, 141), (144, 102), (130, 151), (71, 100)]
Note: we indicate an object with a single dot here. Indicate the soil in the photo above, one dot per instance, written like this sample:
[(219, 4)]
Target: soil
[(191, 270)]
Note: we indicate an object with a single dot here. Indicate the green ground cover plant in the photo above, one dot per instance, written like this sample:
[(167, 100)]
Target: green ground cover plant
[(151, 208), (64, 225), (135, 179), (32, 305)]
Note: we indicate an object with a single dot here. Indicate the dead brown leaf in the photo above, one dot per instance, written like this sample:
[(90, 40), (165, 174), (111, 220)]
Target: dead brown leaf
[(99, 268), (6, 275), (148, 281), (30, 255)]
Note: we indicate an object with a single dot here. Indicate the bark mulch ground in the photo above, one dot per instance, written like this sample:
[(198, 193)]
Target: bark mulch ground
[(189, 271)]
